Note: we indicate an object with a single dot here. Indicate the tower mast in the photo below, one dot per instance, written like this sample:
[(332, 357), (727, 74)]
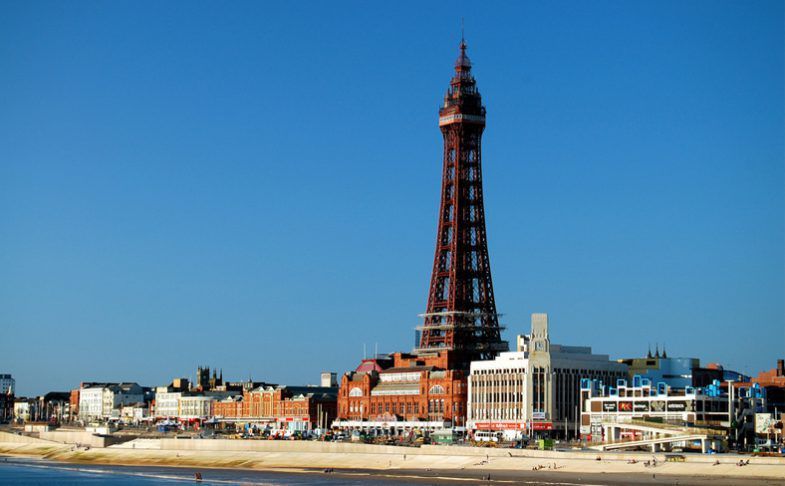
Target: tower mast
[(461, 313)]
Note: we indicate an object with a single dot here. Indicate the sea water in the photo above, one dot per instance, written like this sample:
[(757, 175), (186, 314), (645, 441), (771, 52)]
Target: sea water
[(40, 472)]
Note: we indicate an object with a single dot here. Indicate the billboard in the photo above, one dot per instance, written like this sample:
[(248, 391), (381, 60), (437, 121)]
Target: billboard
[(763, 422), (680, 406)]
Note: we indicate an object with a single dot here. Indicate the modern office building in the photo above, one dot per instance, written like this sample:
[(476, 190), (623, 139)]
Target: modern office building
[(631, 411), (659, 368), (537, 388), (7, 384)]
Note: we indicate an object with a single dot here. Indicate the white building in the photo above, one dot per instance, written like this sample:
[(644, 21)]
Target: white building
[(167, 402), (196, 407), (100, 401), (537, 387), (7, 383), (134, 413), (610, 413), (91, 401)]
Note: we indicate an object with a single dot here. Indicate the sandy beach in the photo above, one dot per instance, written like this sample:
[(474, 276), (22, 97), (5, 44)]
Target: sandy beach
[(428, 464)]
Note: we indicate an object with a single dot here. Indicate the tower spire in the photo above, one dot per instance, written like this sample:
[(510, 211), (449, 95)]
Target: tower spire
[(461, 313)]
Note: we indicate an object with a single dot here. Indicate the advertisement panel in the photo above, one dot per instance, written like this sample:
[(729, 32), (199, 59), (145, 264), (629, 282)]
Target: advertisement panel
[(680, 406), (625, 406), (538, 415), (608, 406), (762, 422), (640, 406), (657, 406)]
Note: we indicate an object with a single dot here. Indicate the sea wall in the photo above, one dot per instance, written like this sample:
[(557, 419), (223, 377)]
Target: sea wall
[(81, 437), (10, 438), (292, 446)]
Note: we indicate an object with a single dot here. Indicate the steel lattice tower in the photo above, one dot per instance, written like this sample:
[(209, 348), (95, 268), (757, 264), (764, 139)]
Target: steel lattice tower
[(461, 315)]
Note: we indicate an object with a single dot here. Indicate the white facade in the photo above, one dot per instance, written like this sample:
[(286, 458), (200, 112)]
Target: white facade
[(167, 402), (104, 400), (7, 383), (91, 402), (124, 394), (536, 388), (606, 409), (134, 413), (196, 407)]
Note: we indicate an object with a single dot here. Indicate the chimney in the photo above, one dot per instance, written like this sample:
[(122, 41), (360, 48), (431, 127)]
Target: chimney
[(781, 367)]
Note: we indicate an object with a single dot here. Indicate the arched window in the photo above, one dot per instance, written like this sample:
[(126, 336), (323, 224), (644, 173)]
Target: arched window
[(355, 392), (436, 390)]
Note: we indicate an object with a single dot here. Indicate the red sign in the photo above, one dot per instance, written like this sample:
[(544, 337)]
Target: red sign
[(542, 425), (499, 425)]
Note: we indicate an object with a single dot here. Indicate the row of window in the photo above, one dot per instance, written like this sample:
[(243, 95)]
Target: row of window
[(434, 390)]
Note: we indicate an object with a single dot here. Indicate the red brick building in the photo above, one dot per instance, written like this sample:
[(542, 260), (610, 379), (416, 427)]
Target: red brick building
[(403, 391), (74, 404), (773, 381), (281, 407), (773, 377)]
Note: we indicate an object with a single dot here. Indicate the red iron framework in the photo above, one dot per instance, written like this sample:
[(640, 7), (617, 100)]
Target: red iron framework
[(461, 315)]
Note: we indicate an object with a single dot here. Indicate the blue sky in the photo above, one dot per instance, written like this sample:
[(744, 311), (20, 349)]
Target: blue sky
[(254, 185)]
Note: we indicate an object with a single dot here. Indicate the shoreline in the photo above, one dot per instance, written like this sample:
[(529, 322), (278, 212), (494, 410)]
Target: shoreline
[(434, 477), (406, 466)]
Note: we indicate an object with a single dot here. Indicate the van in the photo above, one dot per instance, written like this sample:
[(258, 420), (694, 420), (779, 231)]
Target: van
[(483, 436)]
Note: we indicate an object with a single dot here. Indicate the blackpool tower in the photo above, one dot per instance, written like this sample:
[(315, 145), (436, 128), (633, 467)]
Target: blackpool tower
[(461, 313)]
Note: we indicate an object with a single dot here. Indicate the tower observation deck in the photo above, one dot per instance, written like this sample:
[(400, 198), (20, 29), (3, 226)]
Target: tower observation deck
[(461, 313)]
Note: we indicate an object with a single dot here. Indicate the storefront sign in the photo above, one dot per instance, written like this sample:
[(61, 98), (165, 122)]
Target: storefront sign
[(625, 406), (542, 425), (608, 406), (500, 425)]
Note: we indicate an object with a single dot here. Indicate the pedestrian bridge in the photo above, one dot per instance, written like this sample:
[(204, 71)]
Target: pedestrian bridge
[(659, 437)]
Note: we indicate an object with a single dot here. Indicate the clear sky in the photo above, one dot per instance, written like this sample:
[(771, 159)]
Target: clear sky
[(254, 186)]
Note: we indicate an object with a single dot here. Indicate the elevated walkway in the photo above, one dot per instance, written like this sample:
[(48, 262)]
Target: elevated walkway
[(659, 435), (674, 439)]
